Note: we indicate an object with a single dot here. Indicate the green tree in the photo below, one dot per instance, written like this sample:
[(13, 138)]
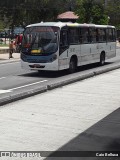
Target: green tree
[(25, 12), (113, 10), (30, 11), (90, 11)]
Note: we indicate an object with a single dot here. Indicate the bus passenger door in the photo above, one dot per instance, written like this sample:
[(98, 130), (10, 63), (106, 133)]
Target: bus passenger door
[(63, 49)]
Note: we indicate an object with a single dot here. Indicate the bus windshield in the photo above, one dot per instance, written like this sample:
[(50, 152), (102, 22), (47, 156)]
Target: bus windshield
[(40, 40)]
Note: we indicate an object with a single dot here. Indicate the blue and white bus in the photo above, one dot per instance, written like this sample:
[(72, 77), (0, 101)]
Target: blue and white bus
[(57, 46)]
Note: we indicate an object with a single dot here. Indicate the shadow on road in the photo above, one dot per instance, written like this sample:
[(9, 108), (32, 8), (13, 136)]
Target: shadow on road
[(56, 74), (103, 136)]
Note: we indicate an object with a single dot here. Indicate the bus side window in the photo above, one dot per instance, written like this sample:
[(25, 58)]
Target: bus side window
[(63, 38), (74, 36), (102, 35), (63, 41), (92, 35), (84, 35), (110, 35), (114, 35)]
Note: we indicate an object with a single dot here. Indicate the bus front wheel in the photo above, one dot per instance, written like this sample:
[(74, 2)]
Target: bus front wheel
[(72, 65), (102, 59)]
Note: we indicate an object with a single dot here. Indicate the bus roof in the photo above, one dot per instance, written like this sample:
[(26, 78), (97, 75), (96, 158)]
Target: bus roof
[(69, 24), (57, 24)]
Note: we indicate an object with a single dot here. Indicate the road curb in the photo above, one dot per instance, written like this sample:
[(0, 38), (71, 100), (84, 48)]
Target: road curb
[(71, 79), (107, 69), (19, 96)]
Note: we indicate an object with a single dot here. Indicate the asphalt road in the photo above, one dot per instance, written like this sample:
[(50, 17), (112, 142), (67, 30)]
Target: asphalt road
[(14, 80)]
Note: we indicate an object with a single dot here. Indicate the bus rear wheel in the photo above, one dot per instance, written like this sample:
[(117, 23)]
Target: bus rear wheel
[(102, 59), (72, 65)]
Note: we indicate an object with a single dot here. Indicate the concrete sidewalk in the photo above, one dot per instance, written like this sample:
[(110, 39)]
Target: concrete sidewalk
[(4, 57)]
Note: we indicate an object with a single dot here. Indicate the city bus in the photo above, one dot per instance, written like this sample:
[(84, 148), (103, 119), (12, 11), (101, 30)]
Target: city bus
[(54, 46)]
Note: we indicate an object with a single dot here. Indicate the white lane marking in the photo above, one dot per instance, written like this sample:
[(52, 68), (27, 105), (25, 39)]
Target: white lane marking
[(2, 77), (4, 91), (27, 85)]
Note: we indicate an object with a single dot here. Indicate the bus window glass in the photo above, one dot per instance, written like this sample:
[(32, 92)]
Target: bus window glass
[(63, 38), (84, 37), (74, 36), (44, 40), (110, 35), (92, 35), (114, 35), (101, 35)]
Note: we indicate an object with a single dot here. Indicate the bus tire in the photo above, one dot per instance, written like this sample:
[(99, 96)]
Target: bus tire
[(73, 65), (102, 59)]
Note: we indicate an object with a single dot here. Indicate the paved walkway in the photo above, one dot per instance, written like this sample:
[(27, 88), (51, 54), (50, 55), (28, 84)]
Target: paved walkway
[(4, 57)]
